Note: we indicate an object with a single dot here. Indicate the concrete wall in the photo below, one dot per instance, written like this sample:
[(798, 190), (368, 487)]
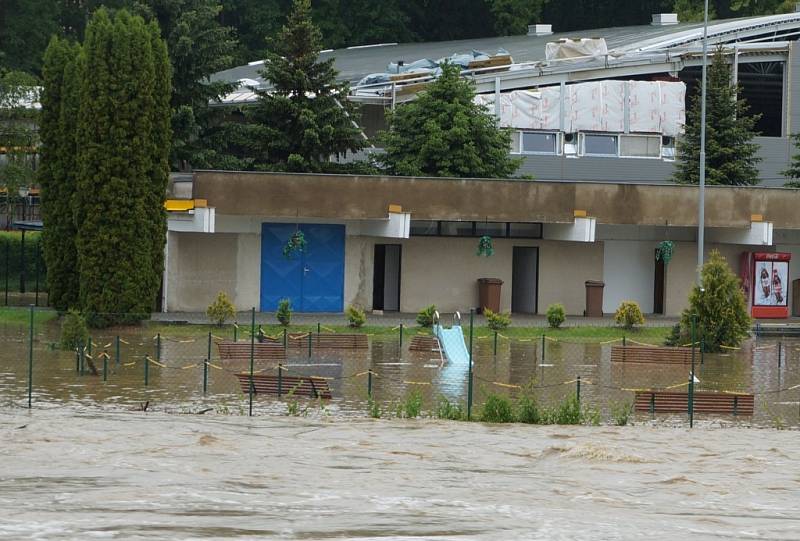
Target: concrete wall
[(629, 274), (201, 265)]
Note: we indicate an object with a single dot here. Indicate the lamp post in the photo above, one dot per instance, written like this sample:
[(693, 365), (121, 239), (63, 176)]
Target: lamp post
[(701, 214)]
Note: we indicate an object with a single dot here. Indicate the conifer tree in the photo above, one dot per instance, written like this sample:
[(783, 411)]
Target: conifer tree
[(57, 171), (305, 117), (444, 133), (793, 172), (123, 147), (731, 154), (720, 306)]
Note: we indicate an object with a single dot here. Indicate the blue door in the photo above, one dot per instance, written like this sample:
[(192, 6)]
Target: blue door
[(312, 280)]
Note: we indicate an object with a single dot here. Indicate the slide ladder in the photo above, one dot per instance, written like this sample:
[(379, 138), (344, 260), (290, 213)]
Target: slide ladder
[(452, 340)]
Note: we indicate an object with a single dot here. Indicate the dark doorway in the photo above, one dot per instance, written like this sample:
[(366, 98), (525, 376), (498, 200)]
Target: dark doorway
[(386, 278), (659, 286), (525, 280)]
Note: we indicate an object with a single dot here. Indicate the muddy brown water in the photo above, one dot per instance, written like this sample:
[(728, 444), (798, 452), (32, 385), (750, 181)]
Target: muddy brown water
[(79, 473), (178, 385)]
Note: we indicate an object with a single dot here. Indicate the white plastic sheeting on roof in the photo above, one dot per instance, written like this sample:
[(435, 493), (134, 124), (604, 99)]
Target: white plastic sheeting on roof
[(575, 48), (653, 107)]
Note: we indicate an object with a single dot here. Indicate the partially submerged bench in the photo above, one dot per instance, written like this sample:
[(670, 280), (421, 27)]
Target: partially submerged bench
[(703, 402), (310, 386), (424, 343), (328, 341), (651, 354), (240, 351)]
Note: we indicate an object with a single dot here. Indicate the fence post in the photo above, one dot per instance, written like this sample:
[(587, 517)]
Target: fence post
[(469, 383), (690, 399), (89, 348), (401, 336), (205, 366), (235, 331), (309, 343), (158, 347), (495, 343), (82, 353), (38, 256), (702, 350), (280, 379), (30, 362), (284, 341), (105, 365), (116, 350), (78, 359), (369, 383), (146, 370), (542, 348), (578, 390), (22, 264), (253, 351), (780, 353), (319, 327), (8, 265)]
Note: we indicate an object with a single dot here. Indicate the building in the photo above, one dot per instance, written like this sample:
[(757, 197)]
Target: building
[(596, 123), (398, 243)]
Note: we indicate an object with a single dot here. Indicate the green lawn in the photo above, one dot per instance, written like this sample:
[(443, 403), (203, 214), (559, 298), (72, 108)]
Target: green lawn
[(649, 335), (13, 315)]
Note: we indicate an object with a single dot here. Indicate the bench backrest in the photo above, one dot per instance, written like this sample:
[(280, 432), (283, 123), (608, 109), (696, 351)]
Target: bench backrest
[(651, 354), (271, 351), (703, 402), (329, 340), (311, 386)]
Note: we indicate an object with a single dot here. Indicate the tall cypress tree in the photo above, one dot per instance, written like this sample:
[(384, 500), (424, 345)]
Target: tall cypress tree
[(122, 151), (57, 170), (305, 117), (730, 151)]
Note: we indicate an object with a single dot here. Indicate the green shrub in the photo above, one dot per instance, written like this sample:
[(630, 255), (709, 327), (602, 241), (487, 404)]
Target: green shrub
[(528, 409), (355, 316), (675, 337), (411, 406), (450, 410), (497, 409), (496, 321), (425, 316), (567, 412), (556, 315), (374, 409), (74, 330), (284, 312), (629, 314), (621, 412), (720, 307), (221, 309)]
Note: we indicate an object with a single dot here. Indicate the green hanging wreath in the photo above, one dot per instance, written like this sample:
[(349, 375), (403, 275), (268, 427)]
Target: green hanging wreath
[(485, 247), (664, 251), (297, 243)]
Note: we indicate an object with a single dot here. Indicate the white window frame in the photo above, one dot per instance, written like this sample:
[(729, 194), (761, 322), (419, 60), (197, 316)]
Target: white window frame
[(582, 145), (558, 143), (619, 146)]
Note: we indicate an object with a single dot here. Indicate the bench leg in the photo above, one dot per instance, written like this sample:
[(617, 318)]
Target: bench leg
[(314, 388)]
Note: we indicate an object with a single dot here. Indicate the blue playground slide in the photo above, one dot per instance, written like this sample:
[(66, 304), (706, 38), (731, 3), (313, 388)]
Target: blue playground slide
[(452, 344)]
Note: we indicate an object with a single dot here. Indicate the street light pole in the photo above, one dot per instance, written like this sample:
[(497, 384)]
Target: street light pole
[(701, 213)]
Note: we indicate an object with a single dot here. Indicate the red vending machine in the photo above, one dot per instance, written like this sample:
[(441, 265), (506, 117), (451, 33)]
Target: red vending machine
[(766, 280)]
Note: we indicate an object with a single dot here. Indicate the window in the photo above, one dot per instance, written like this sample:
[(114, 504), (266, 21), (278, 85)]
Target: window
[(515, 136), (525, 231), (456, 229), (424, 228), (639, 146), (539, 143), (493, 229), (599, 145), (433, 228)]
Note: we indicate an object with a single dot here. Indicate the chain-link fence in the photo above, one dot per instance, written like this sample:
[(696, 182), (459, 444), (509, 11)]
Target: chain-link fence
[(397, 372)]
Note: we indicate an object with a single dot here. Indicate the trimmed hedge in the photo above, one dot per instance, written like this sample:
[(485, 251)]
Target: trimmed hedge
[(12, 241)]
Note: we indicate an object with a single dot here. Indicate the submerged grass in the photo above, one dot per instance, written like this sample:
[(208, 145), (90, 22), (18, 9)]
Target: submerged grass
[(13, 315)]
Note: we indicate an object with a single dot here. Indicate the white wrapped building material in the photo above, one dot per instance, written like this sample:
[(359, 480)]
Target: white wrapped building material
[(575, 48), (597, 106)]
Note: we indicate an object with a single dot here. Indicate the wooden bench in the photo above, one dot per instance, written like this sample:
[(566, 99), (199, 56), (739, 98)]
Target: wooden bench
[(651, 354), (424, 343), (240, 351), (311, 386), (329, 341), (704, 402)]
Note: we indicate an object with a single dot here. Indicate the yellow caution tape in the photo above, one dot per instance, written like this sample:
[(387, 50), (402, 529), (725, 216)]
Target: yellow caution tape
[(124, 342), (395, 328), (684, 384), (327, 328), (86, 354), (217, 337), (684, 345), (503, 336), (213, 365), (739, 393), (189, 366), (509, 385), (525, 340), (728, 347), (551, 339), (611, 341), (147, 358), (107, 345), (105, 355), (793, 387), (417, 382), (129, 364), (639, 343)]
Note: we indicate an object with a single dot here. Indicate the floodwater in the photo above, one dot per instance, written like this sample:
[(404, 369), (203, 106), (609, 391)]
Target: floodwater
[(73, 473), (177, 386)]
